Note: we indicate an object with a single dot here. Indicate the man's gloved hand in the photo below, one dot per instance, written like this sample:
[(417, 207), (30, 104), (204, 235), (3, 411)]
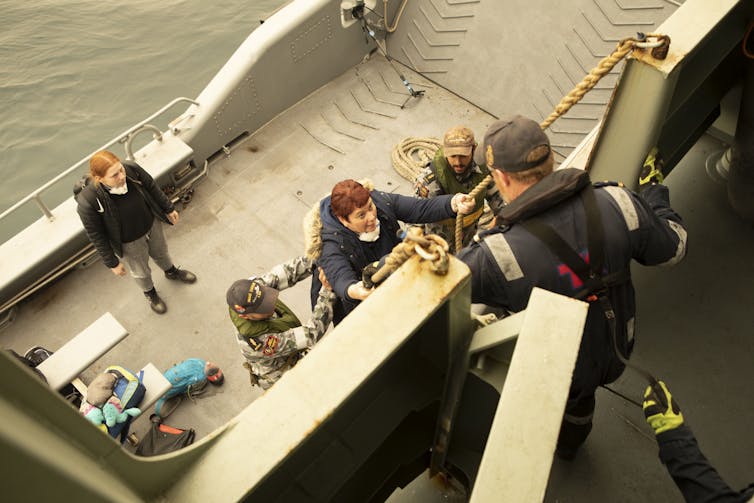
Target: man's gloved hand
[(651, 171), (462, 203), (661, 411)]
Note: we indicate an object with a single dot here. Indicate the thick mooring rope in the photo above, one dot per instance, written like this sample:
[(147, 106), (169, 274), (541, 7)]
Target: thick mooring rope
[(430, 247), (577, 93), (404, 155)]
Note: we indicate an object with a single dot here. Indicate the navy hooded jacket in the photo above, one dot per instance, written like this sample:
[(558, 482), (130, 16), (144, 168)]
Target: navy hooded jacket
[(508, 262), (344, 255)]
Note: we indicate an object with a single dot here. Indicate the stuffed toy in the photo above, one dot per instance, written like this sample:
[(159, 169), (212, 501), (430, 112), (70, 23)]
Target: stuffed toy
[(110, 414), (114, 413), (111, 401), (94, 415)]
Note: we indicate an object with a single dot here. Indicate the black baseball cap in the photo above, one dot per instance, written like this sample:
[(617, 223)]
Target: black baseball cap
[(247, 296), (508, 143)]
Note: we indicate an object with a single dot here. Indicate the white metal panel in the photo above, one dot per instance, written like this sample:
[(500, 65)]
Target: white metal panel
[(307, 395), (517, 458), (81, 351)]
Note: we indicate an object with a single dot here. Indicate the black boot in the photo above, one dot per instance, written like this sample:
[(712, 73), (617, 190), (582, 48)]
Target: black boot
[(177, 274), (575, 428), (155, 302)]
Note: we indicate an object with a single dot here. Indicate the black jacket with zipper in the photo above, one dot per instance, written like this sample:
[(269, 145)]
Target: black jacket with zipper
[(100, 216)]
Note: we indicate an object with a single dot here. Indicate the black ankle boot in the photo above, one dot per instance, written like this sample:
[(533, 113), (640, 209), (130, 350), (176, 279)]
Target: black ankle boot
[(155, 302), (178, 274)]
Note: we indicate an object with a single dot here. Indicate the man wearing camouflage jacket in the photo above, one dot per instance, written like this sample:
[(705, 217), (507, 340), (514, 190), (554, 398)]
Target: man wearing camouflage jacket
[(454, 170), (271, 337)]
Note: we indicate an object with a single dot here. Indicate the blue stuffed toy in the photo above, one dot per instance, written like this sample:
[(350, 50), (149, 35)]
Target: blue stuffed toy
[(110, 414)]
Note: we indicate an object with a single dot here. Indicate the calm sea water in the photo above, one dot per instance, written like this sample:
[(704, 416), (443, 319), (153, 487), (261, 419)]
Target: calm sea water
[(76, 73)]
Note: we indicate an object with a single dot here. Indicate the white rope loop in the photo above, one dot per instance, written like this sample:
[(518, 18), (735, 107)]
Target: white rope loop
[(411, 155)]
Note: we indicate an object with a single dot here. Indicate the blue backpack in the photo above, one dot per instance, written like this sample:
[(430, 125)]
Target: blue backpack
[(130, 390), (187, 378)]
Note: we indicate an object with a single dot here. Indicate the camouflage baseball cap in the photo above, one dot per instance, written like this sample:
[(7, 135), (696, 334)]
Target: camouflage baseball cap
[(248, 296), (508, 143), (458, 140)]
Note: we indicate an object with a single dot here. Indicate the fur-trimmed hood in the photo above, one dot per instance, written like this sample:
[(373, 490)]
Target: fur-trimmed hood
[(312, 225)]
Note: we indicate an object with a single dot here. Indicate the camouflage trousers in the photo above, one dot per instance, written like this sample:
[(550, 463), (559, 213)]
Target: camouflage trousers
[(265, 375)]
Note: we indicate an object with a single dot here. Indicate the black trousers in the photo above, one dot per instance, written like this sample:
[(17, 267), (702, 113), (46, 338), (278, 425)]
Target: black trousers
[(576, 425)]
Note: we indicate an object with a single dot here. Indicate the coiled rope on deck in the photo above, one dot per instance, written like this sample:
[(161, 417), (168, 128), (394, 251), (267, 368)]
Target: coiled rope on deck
[(416, 241), (411, 155)]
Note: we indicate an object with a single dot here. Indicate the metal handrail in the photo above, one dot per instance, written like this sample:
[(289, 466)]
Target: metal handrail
[(34, 195), (156, 135)]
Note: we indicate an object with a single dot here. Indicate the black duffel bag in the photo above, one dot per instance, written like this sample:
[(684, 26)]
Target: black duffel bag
[(162, 438)]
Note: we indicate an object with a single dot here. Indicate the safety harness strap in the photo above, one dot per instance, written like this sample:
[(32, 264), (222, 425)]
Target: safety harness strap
[(596, 284), (563, 251), (590, 273), (595, 234)]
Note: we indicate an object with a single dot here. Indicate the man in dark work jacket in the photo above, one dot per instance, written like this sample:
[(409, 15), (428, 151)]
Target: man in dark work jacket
[(552, 217)]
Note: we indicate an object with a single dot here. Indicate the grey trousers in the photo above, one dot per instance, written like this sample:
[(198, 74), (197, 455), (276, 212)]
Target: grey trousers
[(136, 255)]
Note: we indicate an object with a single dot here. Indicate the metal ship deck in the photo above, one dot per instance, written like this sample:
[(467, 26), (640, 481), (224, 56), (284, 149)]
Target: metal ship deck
[(245, 217)]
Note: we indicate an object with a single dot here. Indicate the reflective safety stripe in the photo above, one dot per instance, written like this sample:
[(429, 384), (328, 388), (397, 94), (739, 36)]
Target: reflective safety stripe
[(680, 251), (503, 255), (578, 420), (630, 329), (626, 206)]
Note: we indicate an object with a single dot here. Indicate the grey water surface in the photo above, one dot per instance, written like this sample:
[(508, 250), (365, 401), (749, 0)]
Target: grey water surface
[(76, 73)]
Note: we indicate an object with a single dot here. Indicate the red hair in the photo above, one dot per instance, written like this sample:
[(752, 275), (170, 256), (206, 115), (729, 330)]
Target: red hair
[(100, 163), (346, 196)]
